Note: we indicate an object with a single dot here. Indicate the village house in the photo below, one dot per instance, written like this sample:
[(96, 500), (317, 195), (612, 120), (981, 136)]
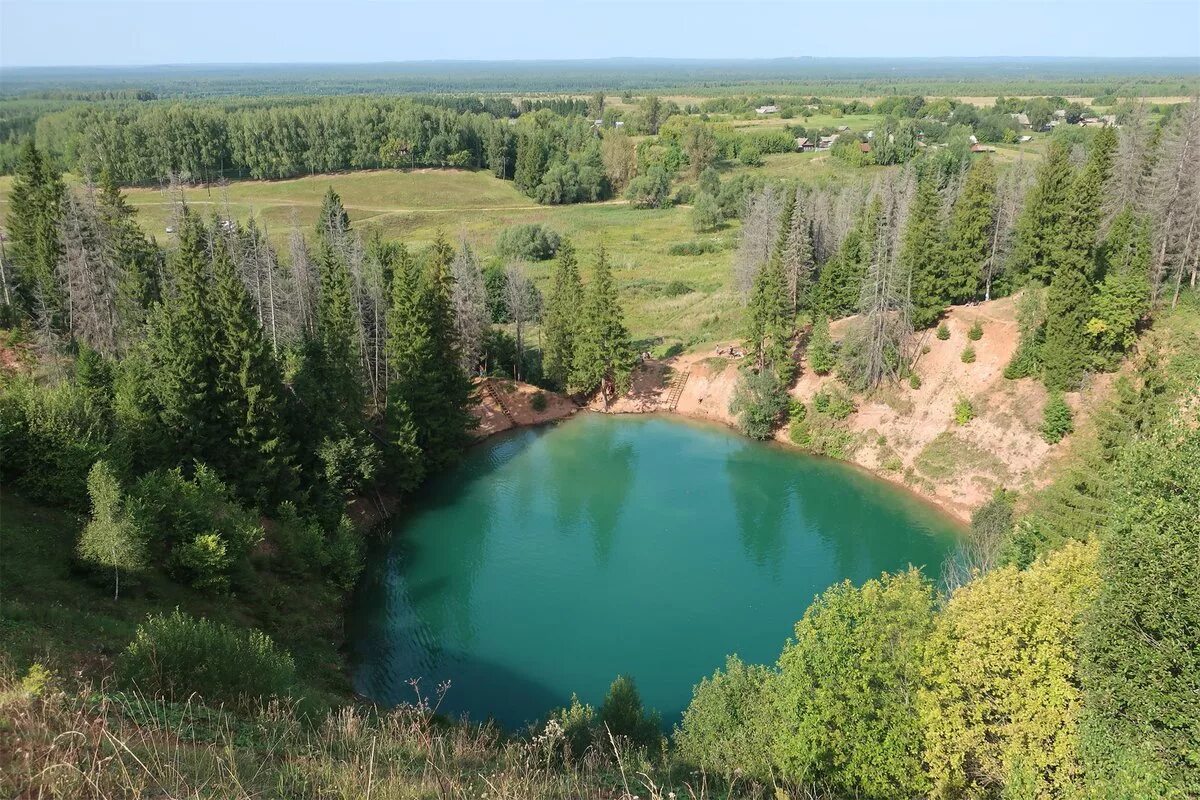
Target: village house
[(767, 109), (804, 144), (982, 148), (1022, 120), (826, 142)]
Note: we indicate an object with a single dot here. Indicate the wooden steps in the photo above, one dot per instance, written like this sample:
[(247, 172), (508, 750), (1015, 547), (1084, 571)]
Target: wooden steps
[(498, 398), (675, 390)]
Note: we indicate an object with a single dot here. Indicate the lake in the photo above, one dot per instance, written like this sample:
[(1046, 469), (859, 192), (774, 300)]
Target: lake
[(553, 559)]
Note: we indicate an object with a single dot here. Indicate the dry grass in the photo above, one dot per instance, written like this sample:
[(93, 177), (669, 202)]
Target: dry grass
[(93, 745)]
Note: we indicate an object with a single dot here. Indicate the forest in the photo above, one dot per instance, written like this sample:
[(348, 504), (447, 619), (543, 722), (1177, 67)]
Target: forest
[(191, 429)]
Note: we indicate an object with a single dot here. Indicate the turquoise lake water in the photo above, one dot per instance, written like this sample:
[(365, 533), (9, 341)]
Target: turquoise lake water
[(553, 559)]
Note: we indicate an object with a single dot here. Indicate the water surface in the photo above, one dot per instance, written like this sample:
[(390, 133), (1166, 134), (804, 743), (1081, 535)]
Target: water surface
[(553, 559)]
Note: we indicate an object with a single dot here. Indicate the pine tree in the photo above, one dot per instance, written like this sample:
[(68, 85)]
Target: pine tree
[(34, 213), (969, 237), (799, 262), (770, 322), (560, 330), (1066, 352), (1042, 218), (257, 458), (837, 290), (921, 257), (1123, 297), (604, 356)]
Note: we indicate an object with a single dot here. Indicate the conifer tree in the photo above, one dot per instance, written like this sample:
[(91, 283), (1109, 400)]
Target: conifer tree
[(921, 254), (1123, 298), (332, 222), (407, 344), (838, 288), (604, 355), (250, 389), (969, 237), (560, 329), (34, 213), (1040, 223), (1066, 352), (337, 337), (799, 262), (770, 322), (820, 351)]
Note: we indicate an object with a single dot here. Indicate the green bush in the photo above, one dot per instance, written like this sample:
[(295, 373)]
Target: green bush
[(759, 400), (344, 555), (964, 411), (538, 402), (833, 403), (177, 655), (578, 724), (532, 242), (822, 356), (943, 332), (725, 729), (975, 332), (204, 563), (49, 439), (348, 463), (299, 543), (623, 715), (914, 381), (696, 248), (177, 510), (1056, 419), (968, 355)]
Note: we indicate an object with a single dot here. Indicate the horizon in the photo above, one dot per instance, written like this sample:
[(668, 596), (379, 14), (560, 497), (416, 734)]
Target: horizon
[(132, 33)]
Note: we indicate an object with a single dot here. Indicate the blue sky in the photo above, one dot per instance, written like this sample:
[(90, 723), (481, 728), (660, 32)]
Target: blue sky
[(47, 32)]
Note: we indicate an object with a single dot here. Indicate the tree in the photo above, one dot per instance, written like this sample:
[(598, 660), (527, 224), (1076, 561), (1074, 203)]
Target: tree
[(706, 213), (619, 157), (725, 728), (1065, 353), (651, 190), (561, 326), (796, 253), (34, 213), (969, 236), (1039, 225), (877, 350), (847, 687), (332, 221), (604, 356), (1173, 203), (770, 321), (760, 233), (1000, 700), (839, 286), (1122, 300), (623, 716), (250, 389), (519, 293), (335, 393), (111, 539), (700, 146), (921, 254), (758, 403), (820, 350), (471, 316), (1056, 419), (1141, 665)]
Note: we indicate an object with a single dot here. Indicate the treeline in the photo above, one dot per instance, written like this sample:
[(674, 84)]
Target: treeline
[(1095, 248)]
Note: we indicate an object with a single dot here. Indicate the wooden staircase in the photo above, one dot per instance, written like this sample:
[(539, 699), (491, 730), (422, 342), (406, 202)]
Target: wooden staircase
[(675, 390), (498, 399)]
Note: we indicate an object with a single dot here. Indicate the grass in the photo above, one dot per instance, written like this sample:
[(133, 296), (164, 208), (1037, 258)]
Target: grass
[(949, 455), (51, 612)]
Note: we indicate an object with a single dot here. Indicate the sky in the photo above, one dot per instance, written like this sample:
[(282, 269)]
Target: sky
[(117, 32)]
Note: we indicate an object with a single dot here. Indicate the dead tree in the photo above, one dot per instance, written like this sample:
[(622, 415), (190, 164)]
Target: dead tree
[(760, 231), (1175, 200), (469, 298)]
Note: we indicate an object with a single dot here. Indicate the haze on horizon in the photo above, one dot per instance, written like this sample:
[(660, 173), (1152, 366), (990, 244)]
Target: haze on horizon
[(125, 32)]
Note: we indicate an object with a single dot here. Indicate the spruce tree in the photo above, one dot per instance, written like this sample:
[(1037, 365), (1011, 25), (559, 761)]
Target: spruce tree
[(332, 222), (561, 322), (969, 237), (407, 345), (921, 254), (770, 322), (1066, 352), (799, 262), (838, 288), (337, 338), (34, 212), (1123, 298), (1040, 223), (257, 459), (604, 356)]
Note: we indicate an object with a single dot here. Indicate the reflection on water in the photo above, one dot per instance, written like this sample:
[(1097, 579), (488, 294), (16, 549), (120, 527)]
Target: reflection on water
[(553, 559)]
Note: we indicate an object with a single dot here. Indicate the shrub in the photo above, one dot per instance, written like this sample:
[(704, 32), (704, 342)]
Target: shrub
[(578, 725), (968, 355), (532, 242), (1056, 419), (964, 411), (623, 715), (844, 702), (348, 463), (914, 381), (821, 354), (171, 506), (650, 190), (759, 400), (943, 332), (112, 538), (833, 403), (725, 727), (538, 402), (344, 555), (204, 563), (299, 543), (694, 248), (975, 332), (176, 655), (706, 212)]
